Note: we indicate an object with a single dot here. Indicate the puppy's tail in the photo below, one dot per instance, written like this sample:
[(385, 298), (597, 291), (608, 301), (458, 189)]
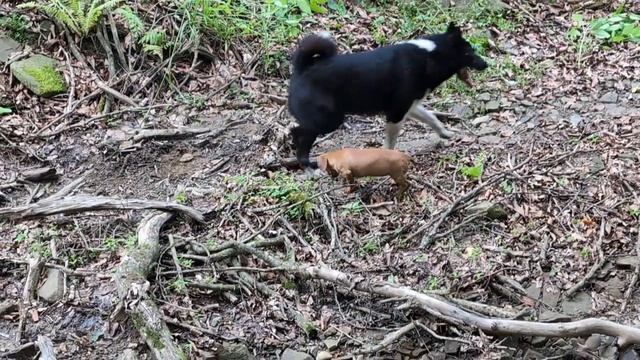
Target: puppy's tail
[(311, 49)]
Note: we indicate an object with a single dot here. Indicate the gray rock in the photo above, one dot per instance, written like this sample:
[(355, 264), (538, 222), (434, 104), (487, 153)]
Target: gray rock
[(615, 287), (609, 97), (627, 262), (433, 141), (128, 354), (628, 156), (331, 343), (597, 164), (533, 355), (53, 287), (481, 120), (630, 355), (233, 351), (461, 110), (580, 303), (609, 353), (489, 140), (491, 210), (553, 317), (483, 97), (615, 110), (451, 347), (575, 119), (290, 354), (39, 74), (593, 342), (492, 105), (324, 355), (8, 46)]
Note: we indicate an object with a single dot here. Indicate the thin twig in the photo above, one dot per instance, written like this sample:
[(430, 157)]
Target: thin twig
[(594, 268), (440, 337), (389, 339)]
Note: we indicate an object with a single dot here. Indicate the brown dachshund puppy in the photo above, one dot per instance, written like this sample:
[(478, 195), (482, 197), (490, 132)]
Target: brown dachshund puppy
[(355, 163)]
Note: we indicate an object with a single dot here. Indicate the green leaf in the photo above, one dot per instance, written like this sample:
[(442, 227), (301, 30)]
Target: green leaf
[(304, 6), (634, 17), (601, 34), (5, 111), (316, 6), (577, 17), (618, 38)]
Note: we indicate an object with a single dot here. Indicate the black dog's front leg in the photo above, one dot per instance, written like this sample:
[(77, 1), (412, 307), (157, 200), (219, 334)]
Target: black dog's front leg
[(303, 141)]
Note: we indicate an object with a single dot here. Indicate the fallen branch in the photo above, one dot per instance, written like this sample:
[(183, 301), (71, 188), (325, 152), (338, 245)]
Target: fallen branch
[(82, 203), (132, 286), (627, 335), (182, 133), (594, 268), (30, 284), (634, 279), (389, 339)]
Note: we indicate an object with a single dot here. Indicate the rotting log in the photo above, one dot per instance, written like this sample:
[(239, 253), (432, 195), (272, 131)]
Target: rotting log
[(626, 335), (81, 203), (132, 285)]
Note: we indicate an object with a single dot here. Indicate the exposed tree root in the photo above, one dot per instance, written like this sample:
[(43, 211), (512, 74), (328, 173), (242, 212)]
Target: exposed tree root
[(132, 285), (81, 203)]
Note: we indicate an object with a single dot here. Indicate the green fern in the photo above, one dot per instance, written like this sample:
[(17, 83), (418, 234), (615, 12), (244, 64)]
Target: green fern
[(154, 41), (79, 16), (131, 20)]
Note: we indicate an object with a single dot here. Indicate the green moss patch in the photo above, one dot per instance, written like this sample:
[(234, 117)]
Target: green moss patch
[(40, 75)]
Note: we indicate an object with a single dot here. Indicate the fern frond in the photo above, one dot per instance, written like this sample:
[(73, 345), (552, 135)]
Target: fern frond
[(133, 22)]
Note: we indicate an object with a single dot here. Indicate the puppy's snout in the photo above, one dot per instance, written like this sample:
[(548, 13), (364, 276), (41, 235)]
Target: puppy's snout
[(479, 63)]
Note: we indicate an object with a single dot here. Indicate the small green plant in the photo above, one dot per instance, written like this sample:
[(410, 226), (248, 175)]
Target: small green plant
[(5, 111), (182, 198), (433, 283), (179, 285), (22, 236), (562, 181), (75, 260), (507, 186), (594, 139), (80, 16), (40, 247), (154, 41), (634, 212), (579, 35), (288, 284), (370, 247), (474, 172), (131, 241), (285, 189), (474, 252), (354, 207), (447, 159), (111, 243), (16, 25), (185, 263), (585, 252), (617, 28)]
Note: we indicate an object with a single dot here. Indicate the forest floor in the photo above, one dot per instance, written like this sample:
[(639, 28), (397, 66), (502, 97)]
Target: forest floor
[(546, 135)]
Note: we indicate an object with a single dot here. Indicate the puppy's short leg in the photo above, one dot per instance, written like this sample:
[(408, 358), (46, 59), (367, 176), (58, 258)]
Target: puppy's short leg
[(427, 117), (401, 180), (392, 130)]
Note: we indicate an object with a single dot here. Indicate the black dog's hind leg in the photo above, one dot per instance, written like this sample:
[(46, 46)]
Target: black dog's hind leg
[(426, 117), (392, 127)]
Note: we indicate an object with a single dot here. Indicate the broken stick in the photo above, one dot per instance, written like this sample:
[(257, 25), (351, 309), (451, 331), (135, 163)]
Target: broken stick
[(82, 203)]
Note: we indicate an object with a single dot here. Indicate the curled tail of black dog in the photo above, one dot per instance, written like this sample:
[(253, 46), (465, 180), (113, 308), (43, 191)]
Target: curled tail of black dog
[(311, 49)]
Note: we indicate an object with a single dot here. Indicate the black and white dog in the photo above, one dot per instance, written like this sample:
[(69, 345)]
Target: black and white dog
[(390, 80)]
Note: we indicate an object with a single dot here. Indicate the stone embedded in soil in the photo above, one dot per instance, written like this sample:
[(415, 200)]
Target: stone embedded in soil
[(53, 287), (593, 342), (597, 164), (614, 287), (533, 355), (289, 354), (575, 119), (609, 97), (492, 105), (491, 210), (483, 97), (186, 157), (8, 46), (548, 316), (615, 110), (331, 343), (233, 351), (39, 74), (461, 110), (481, 120), (451, 347), (128, 354), (627, 262), (580, 303), (324, 355), (630, 355), (489, 140)]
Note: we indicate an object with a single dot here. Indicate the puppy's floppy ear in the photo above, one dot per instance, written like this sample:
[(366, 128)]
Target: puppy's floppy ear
[(323, 163)]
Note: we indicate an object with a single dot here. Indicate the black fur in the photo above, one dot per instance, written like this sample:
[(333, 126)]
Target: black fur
[(326, 86)]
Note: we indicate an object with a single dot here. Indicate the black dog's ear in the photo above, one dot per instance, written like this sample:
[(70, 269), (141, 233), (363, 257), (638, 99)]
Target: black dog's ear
[(453, 29)]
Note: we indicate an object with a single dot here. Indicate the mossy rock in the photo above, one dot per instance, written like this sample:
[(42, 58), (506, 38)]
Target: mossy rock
[(40, 74)]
